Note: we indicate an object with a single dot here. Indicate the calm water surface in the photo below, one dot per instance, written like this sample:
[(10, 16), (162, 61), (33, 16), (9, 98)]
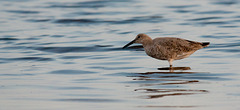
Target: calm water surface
[(58, 55)]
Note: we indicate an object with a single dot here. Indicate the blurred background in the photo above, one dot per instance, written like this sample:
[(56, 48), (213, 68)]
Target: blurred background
[(58, 55)]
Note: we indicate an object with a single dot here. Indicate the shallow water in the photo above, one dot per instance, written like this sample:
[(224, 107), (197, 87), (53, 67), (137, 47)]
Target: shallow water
[(67, 55)]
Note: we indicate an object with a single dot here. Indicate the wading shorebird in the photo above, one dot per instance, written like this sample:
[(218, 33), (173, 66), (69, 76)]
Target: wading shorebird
[(168, 48)]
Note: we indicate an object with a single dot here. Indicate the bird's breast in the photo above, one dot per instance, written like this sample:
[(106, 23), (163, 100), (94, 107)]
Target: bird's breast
[(155, 51)]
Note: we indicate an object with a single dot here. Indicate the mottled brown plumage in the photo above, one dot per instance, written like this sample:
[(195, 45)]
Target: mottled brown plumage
[(168, 48)]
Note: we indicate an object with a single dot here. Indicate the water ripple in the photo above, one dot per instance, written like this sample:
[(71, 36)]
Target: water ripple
[(182, 6), (72, 72), (77, 21), (96, 48), (67, 49), (149, 19), (85, 4), (226, 2), (38, 20), (28, 59), (215, 12), (16, 74), (155, 85), (219, 36), (169, 92), (73, 57), (95, 100), (23, 11), (8, 39), (205, 18)]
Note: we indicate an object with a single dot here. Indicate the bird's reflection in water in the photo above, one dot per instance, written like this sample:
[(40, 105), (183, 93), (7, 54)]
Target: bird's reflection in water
[(167, 83), (169, 92), (174, 68)]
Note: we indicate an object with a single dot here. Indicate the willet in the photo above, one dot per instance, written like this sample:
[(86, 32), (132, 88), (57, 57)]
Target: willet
[(168, 48)]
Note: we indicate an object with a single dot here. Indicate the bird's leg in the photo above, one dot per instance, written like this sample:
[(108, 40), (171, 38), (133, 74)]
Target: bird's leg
[(170, 63)]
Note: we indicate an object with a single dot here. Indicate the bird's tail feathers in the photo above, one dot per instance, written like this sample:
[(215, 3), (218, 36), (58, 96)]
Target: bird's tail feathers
[(205, 44)]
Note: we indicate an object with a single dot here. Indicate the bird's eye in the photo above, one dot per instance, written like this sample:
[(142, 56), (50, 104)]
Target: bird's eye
[(138, 37)]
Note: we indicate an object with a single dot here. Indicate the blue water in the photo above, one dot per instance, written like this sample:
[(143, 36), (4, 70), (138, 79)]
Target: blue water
[(58, 55)]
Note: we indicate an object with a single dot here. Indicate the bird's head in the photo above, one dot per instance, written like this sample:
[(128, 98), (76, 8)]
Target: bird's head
[(140, 38)]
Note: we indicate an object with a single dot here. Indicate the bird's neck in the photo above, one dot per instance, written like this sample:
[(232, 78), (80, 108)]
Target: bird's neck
[(147, 42)]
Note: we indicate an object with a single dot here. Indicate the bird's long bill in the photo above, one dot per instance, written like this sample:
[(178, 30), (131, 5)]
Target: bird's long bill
[(130, 43)]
